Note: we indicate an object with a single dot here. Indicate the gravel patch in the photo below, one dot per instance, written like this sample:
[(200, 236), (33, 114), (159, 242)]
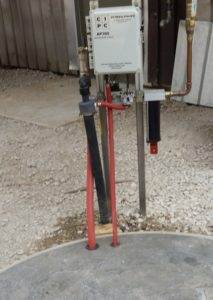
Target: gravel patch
[(15, 78), (40, 168)]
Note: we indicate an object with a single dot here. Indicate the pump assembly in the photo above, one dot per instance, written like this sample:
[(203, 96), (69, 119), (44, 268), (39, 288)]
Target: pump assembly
[(115, 48)]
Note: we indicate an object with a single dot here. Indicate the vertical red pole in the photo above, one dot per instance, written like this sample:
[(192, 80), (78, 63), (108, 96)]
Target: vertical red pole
[(112, 167), (90, 205)]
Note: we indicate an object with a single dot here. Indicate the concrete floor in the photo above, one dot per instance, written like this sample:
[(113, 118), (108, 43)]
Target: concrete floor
[(145, 266), (49, 102)]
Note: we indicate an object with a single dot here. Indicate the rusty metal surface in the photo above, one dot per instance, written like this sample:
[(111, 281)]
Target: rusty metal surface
[(38, 34)]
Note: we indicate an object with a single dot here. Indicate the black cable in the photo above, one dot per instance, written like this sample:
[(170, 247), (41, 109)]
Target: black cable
[(89, 123)]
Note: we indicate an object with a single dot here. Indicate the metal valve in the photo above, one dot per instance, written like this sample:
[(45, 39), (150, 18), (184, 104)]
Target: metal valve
[(127, 98)]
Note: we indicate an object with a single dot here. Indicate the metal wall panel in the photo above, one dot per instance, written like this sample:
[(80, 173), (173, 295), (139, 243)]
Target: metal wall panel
[(162, 40), (38, 34), (201, 92)]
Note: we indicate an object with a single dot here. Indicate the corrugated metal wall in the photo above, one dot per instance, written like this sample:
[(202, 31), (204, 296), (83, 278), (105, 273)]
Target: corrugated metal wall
[(38, 34)]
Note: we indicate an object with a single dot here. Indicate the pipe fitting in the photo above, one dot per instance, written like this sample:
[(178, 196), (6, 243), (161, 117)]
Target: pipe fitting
[(84, 85), (83, 61), (191, 6), (94, 4), (190, 28), (169, 94)]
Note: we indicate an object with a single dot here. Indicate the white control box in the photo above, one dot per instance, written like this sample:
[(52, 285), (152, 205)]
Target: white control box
[(116, 39)]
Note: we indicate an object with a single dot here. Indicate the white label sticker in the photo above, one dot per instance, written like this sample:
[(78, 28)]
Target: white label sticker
[(194, 8), (102, 22)]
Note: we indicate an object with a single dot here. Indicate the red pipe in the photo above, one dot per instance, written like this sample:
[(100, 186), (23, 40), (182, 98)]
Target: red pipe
[(112, 106), (112, 166), (90, 205)]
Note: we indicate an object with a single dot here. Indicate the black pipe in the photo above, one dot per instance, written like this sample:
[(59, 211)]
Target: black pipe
[(87, 108), (153, 114)]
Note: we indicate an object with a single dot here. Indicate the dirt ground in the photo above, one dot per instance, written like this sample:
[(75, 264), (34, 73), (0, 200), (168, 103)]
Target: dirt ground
[(43, 173)]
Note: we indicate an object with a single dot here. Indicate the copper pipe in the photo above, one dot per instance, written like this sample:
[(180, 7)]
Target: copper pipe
[(189, 75), (83, 61), (190, 26)]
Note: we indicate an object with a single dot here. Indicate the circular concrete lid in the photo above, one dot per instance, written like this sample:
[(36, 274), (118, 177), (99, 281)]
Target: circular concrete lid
[(145, 266)]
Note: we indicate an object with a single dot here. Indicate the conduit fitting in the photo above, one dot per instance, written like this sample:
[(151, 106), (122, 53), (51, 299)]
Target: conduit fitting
[(87, 106), (191, 6)]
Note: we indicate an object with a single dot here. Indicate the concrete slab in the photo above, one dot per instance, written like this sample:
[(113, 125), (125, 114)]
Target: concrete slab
[(206, 94), (51, 103), (145, 266)]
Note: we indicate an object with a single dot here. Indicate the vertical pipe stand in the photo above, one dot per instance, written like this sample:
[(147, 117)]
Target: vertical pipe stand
[(112, 167), (141, 156)]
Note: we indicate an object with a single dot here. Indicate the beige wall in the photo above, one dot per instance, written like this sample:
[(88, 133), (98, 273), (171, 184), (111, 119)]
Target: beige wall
[(205, 8)]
